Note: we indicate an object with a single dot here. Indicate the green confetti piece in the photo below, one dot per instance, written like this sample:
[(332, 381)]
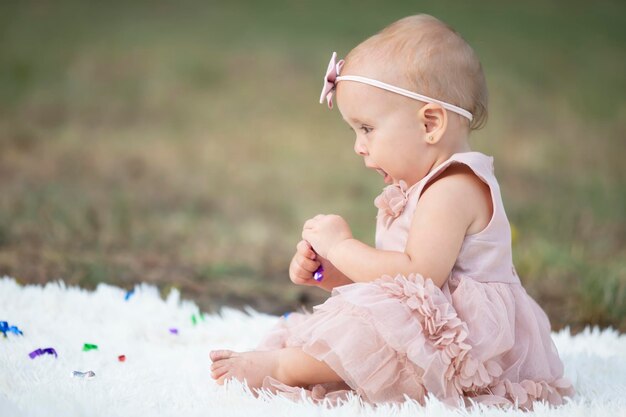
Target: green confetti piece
[(202, 316), (193, 319), (87, 347)]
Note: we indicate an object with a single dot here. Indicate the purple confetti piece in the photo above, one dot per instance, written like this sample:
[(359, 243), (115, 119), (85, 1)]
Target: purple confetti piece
[(51, 351), (173, 330), (40, 352), (319, 274)]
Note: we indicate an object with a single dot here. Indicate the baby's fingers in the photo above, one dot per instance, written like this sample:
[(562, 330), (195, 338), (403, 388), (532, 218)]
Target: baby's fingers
[(311, 222), (307, 264), (305, 249), (301, 275)]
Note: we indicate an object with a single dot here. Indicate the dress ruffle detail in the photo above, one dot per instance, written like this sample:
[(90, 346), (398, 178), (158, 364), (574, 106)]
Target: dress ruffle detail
[(445, 331), (391, 202), (468, 376), (363, 333), (524, 393)]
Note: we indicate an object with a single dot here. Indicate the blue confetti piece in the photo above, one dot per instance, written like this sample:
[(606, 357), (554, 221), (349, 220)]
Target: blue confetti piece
[(287, 314), (129, 294), (5, 328)]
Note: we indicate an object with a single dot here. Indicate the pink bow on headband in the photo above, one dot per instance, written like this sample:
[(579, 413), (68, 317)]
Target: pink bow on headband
[(330, 80)]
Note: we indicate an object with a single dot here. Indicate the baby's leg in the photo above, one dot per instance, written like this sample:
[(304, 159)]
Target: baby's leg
[(290, 366), (303, 369)]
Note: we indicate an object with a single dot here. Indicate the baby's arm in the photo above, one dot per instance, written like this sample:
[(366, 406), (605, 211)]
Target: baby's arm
[(444, 213), (332, 276)]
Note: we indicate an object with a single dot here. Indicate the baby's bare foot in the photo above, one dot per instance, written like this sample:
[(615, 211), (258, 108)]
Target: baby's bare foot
[(253, 366)]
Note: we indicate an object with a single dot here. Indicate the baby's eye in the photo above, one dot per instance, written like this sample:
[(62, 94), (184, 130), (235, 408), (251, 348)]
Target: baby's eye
[(365, 129)]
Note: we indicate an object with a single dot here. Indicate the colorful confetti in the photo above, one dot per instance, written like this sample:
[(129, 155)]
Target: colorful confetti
[(5, 328), (87, 347), (193, 319), (129, 294), (84, 375), (319, 274), (173, 330), (40, 352), (287, 314), (121, 358)]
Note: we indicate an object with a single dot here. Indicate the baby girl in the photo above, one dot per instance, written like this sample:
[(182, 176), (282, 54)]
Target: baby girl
[(437, 306)]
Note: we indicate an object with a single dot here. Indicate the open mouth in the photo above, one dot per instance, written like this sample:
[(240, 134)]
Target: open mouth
[(387, 177)]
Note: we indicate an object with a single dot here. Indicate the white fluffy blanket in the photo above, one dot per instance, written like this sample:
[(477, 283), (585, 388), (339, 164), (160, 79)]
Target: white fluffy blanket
[(167, 374)]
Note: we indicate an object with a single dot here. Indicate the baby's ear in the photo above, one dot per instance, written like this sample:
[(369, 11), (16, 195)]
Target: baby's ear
[(434, 118)]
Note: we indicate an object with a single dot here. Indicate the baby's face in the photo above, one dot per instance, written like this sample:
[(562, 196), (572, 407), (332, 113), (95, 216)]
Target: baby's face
[(389, 135)]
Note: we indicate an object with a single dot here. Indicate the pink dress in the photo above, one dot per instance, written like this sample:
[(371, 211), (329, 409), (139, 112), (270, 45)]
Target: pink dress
[(479, 338)]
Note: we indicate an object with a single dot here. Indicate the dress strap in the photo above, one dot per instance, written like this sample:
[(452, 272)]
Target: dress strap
[(481, 164)]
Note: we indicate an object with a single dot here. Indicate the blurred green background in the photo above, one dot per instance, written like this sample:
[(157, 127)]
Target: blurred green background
[(182, 143)]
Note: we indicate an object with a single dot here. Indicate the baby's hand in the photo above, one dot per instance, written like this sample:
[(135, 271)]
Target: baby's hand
[(324, 231), (303, 265)]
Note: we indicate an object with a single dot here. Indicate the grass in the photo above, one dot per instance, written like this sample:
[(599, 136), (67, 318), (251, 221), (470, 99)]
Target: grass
[(182, 144)]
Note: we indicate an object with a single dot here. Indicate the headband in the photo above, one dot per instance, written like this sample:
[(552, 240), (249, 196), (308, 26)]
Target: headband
[(332, 78)]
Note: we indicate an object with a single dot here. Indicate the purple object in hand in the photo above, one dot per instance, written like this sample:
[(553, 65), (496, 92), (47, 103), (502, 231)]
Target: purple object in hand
[(319, 274)]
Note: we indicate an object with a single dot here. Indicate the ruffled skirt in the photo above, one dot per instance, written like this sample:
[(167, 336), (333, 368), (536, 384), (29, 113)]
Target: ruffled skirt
[(399, 337)]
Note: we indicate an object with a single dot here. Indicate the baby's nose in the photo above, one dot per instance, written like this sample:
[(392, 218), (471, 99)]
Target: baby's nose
[(359, 148)]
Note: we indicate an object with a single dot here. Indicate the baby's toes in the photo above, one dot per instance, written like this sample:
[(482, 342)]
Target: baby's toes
[(225, 363), (221, 379), (217, 355), (216, 373)]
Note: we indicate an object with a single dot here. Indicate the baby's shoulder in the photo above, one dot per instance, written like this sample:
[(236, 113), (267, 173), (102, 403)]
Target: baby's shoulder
[(459, 179), (459, 185)]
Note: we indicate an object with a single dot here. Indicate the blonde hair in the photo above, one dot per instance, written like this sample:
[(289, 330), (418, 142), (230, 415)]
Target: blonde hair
[(423, 54)]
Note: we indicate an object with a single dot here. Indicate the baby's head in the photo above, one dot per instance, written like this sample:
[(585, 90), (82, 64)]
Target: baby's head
[(423, 54), (419, 54)]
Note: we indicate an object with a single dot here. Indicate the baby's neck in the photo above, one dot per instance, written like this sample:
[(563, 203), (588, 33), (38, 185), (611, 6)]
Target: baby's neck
[(463, 147), (451, 147), (445, 152), (455, 138)]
